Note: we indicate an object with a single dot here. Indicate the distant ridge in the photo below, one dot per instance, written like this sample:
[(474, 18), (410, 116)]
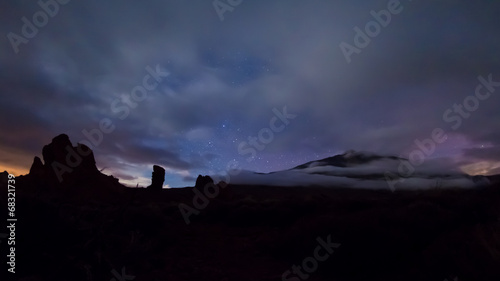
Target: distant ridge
[(348, 159), (366, 170)]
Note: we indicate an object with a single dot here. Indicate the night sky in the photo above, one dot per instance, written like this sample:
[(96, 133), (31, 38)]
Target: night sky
[(271, 71)]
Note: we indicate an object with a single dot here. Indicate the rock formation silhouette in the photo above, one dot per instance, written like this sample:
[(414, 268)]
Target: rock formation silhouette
[(157, 178), (64, 162), (68, 166), (4, 177), (201, 181), (37, 169)]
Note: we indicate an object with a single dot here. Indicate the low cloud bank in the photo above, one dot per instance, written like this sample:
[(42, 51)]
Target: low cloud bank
[(435, 174)]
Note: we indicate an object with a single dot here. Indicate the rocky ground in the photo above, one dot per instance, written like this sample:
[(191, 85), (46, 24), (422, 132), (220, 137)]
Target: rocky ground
[(255, 233)]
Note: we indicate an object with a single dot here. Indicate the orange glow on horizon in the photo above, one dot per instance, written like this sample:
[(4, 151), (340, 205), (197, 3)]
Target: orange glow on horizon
[(14, 161), (16, 171), (483, 168)]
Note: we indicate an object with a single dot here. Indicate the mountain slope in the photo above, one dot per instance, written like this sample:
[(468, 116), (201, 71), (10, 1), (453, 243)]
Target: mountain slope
[(368, 171), (348, 159)]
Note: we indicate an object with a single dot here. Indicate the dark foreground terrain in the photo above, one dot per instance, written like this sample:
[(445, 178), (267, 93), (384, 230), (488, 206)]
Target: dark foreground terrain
[(255, 233)]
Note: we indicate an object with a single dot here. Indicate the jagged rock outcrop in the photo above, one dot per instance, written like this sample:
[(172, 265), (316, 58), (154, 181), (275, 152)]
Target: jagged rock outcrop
[(157, 178), (4, 177), (201, 181), (63, 162), (56, 150), (60, 152), (70, 170), (37, 169)]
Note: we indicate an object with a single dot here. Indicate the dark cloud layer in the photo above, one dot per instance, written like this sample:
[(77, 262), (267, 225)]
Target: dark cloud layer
[(226, 77)]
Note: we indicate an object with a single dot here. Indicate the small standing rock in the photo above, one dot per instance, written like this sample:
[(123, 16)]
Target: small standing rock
[(202, 181), (157, 178)]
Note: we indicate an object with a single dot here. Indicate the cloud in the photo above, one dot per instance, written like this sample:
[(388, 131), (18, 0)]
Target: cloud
[(262, 56), (294, 178)]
